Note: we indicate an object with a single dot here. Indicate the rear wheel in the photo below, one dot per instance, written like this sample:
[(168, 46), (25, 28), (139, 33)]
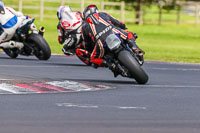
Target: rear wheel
[(41, 48), (13, 53), (135, 70)]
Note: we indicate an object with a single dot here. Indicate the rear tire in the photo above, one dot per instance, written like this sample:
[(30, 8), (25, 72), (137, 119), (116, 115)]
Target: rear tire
[(135, 70), (13, 53), (41, 48)]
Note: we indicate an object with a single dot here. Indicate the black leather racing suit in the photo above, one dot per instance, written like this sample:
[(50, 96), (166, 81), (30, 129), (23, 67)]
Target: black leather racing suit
[(95, 30)]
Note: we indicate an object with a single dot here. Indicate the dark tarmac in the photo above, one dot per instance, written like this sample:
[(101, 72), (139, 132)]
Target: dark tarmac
[(168, 103)]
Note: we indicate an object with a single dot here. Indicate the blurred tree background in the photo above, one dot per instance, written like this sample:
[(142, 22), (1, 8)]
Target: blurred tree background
[(167, 4)]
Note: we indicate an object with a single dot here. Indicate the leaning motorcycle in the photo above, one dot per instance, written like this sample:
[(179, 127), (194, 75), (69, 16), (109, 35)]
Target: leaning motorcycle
[(125, 59), (33, 43)]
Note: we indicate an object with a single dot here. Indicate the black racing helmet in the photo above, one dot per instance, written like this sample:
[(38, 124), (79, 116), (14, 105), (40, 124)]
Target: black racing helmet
[(2, 11), (89, 10)]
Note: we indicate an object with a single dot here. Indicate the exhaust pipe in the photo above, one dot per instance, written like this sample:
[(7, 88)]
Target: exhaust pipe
[(41, 31), (12, 44)]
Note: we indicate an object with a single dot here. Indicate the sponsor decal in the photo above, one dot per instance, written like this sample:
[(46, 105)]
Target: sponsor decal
[(103, 32)]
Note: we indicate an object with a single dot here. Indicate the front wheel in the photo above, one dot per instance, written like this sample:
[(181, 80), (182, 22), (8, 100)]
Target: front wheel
[(41, 48), (135, 70)]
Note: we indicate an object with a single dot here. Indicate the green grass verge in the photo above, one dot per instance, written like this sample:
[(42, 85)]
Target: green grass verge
[(169, 42)]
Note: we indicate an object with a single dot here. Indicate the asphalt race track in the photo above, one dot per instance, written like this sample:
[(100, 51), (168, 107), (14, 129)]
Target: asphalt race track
[(62, 95)]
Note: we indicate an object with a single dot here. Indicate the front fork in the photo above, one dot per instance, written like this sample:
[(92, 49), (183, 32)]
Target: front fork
[(120, 69), (141, 62)]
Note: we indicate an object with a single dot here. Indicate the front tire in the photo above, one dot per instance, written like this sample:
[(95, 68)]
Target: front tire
[(135, 70), (41, 48)]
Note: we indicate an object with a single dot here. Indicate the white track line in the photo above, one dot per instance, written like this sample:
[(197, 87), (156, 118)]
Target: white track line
[(168, 86), (98, 106), (76, 105), (173, 63), (6, 79), (27, 66), (176, 69)]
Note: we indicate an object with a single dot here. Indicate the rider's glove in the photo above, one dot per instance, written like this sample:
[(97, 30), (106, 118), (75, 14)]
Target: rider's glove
[(135, 35), (60, 39)]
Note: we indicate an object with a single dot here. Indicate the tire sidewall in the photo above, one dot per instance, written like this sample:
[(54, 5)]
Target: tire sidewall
[(39, 42), (135, 70)]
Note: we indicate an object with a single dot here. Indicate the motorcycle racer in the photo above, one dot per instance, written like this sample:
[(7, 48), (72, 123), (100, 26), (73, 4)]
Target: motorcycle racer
[(69, 33), (97, 27), (69, 28)]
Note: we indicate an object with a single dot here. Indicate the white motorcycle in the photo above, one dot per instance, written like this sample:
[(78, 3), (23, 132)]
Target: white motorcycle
[(29, 43)]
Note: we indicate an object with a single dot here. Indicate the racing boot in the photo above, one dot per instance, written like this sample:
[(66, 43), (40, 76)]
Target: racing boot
[(132, 44), (98, 62), (140, 54), (114, 69)]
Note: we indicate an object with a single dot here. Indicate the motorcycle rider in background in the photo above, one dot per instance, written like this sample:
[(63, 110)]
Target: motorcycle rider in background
[(10, 20), (97, 27), (69, 33), (69, 28)]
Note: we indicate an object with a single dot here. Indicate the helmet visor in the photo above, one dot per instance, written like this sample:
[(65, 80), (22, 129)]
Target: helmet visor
[(89, 10), (87, 13), (93, 9)]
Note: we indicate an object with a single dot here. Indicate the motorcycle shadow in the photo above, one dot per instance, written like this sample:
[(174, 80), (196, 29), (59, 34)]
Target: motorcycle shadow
[(104, 81), (65, 64), (27, 59)]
